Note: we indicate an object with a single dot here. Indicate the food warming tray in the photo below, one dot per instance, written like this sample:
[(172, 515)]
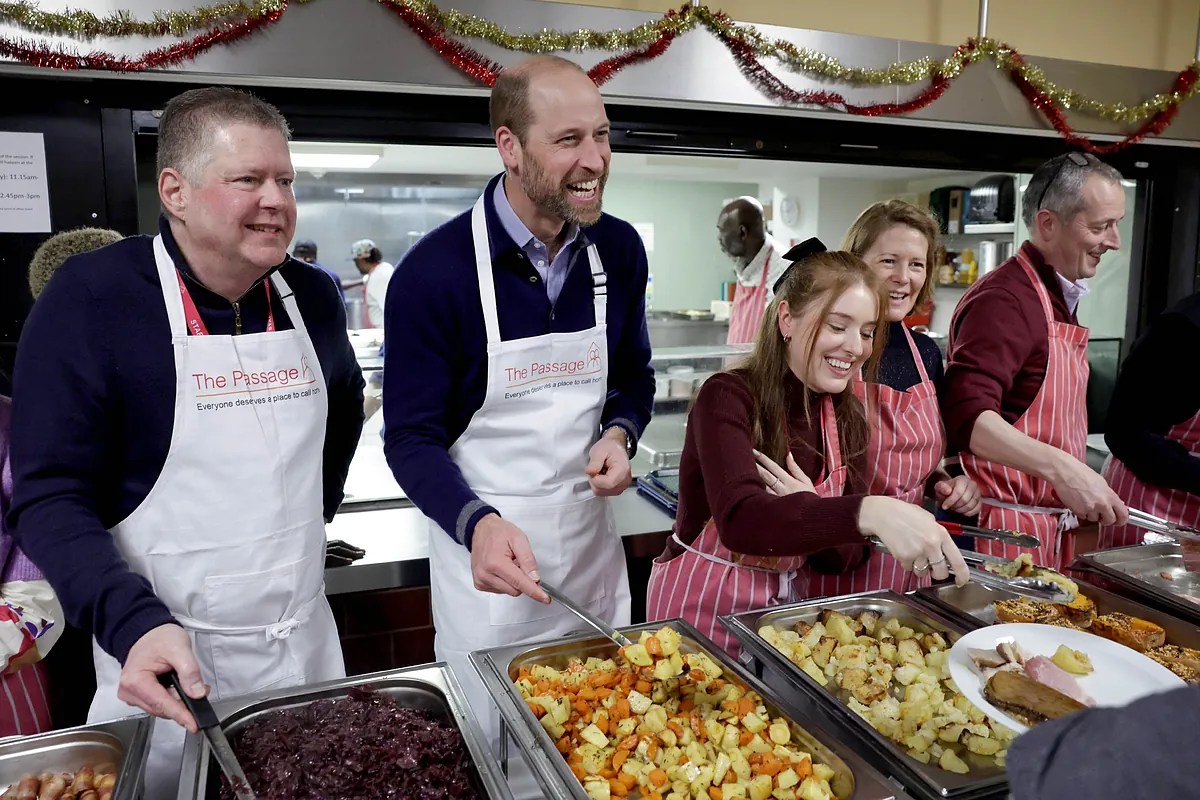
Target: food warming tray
[(1153, 572), (124, 742), (500, 666), (973, 603), (429, 687), (787, 679)]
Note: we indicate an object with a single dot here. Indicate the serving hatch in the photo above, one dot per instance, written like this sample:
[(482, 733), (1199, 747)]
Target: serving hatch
[(500, 668), (431, 688), (123, 742), (985, 778)]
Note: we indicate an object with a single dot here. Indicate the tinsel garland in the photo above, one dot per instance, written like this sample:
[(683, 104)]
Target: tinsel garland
[(84, 25), (654, 35), (39, 55), (222, 23)]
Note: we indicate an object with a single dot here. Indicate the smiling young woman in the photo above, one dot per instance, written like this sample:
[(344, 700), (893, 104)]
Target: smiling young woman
[(904, 457), (746, 525)]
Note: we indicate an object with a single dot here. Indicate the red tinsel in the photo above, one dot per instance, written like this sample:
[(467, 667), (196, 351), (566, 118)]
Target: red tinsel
[(611, 66), (1154, 126), (773, 87), (467, 60), (58, 58)]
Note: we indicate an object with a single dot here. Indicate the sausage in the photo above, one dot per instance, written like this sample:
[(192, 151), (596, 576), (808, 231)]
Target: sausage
[(106, 794), (27, 788), (90, 794), (106, 781), (106, 768), (52, 788)]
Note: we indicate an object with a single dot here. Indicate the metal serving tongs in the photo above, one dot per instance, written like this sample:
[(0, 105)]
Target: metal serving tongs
[(1033, 588), (210, 726), (1149, 522), (585, 615), (995, 534)]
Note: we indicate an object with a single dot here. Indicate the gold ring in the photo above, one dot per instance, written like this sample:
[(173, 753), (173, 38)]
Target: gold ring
[(941, 560), (921, 568)]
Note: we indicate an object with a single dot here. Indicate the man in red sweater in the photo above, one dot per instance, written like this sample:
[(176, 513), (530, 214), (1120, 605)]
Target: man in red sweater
[(1015, 390)]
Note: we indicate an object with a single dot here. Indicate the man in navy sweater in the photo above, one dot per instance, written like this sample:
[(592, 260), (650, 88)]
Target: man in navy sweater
[(519, 376), (186, 408)]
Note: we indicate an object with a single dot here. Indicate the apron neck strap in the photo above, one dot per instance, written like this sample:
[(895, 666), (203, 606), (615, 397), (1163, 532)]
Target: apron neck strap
[(483, 267), (829, 433), (916, 353), (487, 282), (1038, 285)]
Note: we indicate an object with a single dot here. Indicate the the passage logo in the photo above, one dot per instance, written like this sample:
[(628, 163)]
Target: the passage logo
[(539, 372), (238, 381)]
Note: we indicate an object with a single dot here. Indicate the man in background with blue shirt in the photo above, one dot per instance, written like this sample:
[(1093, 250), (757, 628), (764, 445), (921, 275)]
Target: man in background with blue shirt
[(519, 377), (306, 251)]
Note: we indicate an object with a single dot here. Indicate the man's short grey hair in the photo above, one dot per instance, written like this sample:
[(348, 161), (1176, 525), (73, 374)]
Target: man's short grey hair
[(190, 120), (1064, 195)]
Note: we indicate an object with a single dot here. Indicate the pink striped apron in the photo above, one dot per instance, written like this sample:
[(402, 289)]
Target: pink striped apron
[(907, 444), (749, 305), (24, 702), (708, 581), (1058, 417), (1170, 504)]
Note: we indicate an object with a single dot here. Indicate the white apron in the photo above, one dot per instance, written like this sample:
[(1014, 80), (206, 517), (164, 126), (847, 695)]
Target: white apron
[(524, 453), (231, 536)]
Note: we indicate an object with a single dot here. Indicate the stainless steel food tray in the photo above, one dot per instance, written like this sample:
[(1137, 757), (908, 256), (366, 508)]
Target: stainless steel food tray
[(924, 780), (499, 667), (973, 604), (124, 742), (430, 687), (1140, 569)]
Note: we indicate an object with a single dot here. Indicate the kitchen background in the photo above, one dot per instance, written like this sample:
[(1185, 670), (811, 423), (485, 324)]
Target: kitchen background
[(394, 194)]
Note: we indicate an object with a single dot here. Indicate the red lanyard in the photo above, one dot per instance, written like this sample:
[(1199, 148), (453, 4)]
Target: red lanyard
[(196, 326)]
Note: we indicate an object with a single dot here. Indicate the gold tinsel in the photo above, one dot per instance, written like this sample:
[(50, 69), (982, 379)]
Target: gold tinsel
[(81, 24)]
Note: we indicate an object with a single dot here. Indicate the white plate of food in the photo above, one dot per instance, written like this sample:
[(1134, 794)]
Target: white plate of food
[(1049, 673)]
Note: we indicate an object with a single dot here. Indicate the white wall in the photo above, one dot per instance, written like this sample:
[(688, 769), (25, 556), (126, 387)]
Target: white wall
[(686, 262)]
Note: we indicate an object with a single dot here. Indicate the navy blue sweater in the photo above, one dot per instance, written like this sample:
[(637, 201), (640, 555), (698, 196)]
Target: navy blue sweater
[(436, 359), (93, 411)]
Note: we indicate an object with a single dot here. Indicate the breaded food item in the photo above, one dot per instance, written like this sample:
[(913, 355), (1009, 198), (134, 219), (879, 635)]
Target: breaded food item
[(1080, 611), (1062, 622), (1027, 700), (1183, 661), (1139, 634), (1024, 609)]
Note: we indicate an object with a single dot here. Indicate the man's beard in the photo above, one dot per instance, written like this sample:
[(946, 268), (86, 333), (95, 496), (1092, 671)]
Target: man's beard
[(552, 199)]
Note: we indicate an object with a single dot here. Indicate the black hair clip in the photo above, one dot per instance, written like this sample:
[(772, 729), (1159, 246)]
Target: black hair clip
[(797, 254)]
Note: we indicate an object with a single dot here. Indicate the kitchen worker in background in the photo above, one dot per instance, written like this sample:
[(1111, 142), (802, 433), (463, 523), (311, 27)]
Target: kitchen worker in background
[(185, 410), (1016, 382), (376, 273), (897, 241), (31, 619), (519, 377), (1154, 435), (1088, 754), (306, 250), (759, 262), (749, 519)]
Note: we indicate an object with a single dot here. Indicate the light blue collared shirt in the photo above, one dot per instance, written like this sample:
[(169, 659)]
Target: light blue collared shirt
[(554, 273)]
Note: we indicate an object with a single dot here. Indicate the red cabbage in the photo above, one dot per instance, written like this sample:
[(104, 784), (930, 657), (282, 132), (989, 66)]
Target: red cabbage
[(364, 745)]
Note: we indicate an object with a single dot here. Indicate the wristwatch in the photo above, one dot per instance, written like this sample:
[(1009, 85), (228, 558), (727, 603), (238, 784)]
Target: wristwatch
[(630, 445)]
